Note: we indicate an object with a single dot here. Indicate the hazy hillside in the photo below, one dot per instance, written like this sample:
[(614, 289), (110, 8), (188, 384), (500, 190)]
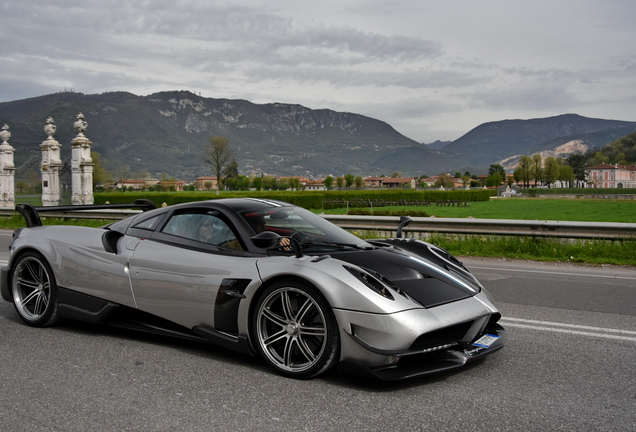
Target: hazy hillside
[(167, 131), (495, 141), (438, 145)]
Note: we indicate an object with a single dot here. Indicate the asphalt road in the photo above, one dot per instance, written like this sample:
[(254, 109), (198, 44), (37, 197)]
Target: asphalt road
[(569, 365)]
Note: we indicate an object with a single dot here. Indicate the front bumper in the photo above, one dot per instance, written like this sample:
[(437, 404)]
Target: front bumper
[(418, 341), (417, 362)]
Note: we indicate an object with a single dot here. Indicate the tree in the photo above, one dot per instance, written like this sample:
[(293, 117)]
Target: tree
[(268, 182), (100, 174), (21, 186), (231, 170), (358, 182), (523, 173), (348, 180), (340, 182), (445, 180), (329, 182), (465, 179), (600, 158), (577, 162), (566, 174), (294, 183), (550, 170), (219, 155), (34, 180), (496, 168), (257, 183), (493, 180), (537, 170)]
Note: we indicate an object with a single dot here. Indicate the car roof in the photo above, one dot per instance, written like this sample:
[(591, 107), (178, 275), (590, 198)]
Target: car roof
[(236, 204)]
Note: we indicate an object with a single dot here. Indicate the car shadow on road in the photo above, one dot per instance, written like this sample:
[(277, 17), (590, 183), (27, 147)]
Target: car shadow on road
[(233, 359)]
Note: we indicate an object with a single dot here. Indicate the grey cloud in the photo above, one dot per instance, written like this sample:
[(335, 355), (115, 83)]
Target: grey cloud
[(411, 79), (523, 97)]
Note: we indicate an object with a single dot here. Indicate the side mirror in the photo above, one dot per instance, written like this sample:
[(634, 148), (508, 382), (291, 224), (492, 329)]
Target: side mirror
[(270, 240), (265, 240), (110, 239), (404, 221)]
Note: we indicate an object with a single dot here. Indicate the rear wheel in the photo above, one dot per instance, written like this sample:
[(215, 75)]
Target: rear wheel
[(34, 290), (295, 330)]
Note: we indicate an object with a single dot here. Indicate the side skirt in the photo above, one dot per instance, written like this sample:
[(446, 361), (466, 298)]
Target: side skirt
[(82, 307)]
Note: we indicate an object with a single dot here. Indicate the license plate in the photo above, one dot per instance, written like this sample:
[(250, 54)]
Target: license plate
[(486, 340)]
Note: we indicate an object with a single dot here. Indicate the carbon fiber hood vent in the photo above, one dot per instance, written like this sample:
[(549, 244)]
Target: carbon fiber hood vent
[(427, 283)]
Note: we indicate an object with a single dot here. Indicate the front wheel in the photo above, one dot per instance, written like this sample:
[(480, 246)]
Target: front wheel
[(34, 290), (295, 330)]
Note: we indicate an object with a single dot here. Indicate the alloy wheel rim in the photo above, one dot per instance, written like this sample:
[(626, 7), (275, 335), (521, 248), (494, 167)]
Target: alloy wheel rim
[(31, 289), (291, 329)]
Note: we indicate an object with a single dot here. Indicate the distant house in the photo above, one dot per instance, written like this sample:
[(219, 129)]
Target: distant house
[(176, 184), (430, 181), (612, 176), (374, 181), (135, 184), (391, 182), (399, 182), (205, 183), (315, 185)]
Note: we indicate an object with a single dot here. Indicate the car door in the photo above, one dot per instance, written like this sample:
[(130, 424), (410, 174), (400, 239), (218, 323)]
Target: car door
[(178, 271), (85, 266)]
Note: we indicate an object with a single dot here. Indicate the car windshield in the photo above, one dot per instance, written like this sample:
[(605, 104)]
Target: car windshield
[(309, 229)]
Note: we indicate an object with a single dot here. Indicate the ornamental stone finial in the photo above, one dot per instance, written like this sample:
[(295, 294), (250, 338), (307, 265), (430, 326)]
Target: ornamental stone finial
[(5, 134), (50, 127), (80, 125)]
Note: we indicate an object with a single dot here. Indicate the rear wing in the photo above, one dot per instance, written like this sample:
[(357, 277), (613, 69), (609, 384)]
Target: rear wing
[(31, 214)]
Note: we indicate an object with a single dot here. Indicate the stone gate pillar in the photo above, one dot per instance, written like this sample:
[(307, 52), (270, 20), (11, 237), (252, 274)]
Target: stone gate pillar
[(81, 165), (7, 170), (51, 165)]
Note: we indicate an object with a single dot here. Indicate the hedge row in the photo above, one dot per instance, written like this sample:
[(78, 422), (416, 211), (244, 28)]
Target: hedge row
[(380, 212), (308, 200), (578, 191)]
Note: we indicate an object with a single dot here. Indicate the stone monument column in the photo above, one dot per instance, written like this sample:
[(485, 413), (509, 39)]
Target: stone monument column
[(51, 165), (81, 165), (7, 170)]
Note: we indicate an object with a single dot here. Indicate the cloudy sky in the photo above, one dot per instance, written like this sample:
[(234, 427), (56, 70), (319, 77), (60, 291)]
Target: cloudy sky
[(432, 69)]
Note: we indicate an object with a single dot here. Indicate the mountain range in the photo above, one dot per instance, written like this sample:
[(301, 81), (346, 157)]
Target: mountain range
[(166, 132)]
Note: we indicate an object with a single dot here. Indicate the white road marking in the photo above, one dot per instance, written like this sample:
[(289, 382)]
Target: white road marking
[(555, 273), (570, 329)]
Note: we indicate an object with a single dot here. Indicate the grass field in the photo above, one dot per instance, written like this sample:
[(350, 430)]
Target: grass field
[(533, 208)]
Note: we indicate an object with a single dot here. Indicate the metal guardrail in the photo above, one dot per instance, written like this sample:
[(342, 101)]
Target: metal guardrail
[(422, 226), (499, 227)]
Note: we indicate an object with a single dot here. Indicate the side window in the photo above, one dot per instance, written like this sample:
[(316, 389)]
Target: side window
[(149, 224), (205, 227)]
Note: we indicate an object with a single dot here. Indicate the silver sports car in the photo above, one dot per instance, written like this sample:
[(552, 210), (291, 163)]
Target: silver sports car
[(261, 277)]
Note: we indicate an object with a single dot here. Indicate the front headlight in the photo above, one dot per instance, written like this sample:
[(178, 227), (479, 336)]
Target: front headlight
[(371, 282)]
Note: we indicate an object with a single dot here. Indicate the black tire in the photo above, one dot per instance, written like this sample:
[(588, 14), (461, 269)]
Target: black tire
[(34, 290), (295, 331)]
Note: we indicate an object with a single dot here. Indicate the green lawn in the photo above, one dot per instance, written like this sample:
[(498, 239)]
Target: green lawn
[(533, 208)]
